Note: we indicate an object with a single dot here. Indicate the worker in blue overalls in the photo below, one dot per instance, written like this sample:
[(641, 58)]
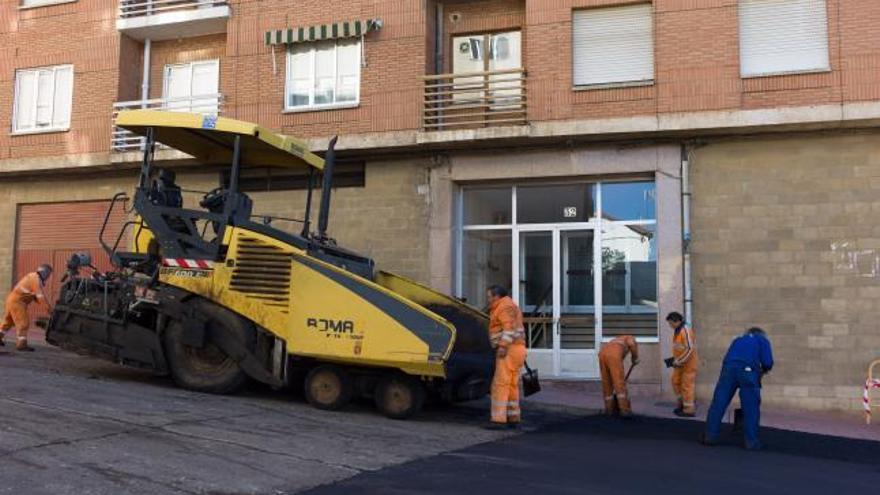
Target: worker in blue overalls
[(749, 357)]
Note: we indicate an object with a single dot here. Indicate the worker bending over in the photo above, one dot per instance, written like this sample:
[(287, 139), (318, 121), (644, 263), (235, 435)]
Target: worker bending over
[(748, 358), (684, 364), (508, 338), (27, 290), (611, 359)]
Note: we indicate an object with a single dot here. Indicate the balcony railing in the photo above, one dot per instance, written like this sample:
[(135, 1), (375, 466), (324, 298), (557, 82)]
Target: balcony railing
[(475, 99), (123, 140), (137, 8)]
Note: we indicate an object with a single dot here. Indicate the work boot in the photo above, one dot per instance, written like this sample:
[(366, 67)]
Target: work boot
[(610, 407), (22, 346)]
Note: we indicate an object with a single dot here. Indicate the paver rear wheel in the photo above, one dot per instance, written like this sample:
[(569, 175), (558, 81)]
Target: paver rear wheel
[(328, 387), (399, 396), (207, 369)]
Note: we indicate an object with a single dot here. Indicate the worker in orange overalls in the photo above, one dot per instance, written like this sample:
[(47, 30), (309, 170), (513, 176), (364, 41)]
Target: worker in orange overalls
[(508, 338), (613, 378), (27, 290), (684, 362)]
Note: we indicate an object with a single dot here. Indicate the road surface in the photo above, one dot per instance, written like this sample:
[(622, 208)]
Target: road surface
[(599, 456), (79, 426)]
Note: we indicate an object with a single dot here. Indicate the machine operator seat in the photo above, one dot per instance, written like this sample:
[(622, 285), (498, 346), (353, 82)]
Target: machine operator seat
[(165, 191)]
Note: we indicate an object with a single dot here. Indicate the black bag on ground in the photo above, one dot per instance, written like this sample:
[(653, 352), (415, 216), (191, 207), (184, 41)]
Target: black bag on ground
[(531, 384)]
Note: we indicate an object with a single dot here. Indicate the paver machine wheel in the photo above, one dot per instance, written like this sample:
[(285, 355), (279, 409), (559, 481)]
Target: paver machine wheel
[(328, 387), (399, 396), (204, 367)]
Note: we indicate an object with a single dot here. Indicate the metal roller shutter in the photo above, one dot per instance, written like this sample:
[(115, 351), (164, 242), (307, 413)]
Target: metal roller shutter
[(613, 45), (779, 36), (52, 232)]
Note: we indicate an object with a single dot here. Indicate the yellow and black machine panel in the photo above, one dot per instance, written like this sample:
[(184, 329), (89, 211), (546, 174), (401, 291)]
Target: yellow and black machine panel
[(234, 297)]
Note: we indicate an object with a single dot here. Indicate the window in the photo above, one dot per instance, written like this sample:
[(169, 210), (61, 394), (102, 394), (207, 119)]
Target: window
[(777, 37), (480, 53), (324, 74), (42, 99), (613, 45), (192, 87), (574, 251)]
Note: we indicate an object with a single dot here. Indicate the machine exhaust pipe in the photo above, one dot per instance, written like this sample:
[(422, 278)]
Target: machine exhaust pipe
[(327, 183)]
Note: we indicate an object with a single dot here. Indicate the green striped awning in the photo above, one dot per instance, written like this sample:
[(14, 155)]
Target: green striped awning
[(349, 29)]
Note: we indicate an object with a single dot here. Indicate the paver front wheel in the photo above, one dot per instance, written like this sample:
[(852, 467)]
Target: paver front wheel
[(207, 369), (328, 387), (399, 396)]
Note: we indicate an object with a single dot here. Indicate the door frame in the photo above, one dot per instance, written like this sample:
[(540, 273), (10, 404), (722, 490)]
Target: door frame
[(556, 229)]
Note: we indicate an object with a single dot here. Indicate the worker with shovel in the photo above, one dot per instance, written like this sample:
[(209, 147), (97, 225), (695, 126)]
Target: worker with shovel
[(611, 358), (28, 290)]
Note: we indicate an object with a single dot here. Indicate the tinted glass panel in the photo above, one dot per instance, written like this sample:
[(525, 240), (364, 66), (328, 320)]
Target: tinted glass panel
[(487, 206), (486, 260), (554, 204), (628, 201), (629, 266)]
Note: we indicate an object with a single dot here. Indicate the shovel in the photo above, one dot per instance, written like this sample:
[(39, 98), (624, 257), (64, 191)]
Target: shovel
[(625, 379)]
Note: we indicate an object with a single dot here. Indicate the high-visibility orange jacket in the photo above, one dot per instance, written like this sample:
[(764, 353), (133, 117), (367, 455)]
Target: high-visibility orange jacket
[(506, 323), (620, 346), (684, 345), (27, 290)]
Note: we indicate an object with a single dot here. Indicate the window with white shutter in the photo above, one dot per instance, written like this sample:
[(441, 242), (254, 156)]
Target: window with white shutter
[(192, 87), (43, 97), (323, 75), (613, 45), (782, 36)]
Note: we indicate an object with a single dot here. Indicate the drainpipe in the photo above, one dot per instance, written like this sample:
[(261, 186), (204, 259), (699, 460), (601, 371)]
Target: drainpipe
[(686, 231), (438, 39), (145, 78)]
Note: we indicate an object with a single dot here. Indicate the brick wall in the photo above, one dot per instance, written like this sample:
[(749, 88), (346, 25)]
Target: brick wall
[(131, 55), (785, 238), (185, 50), (696, 63), (394, 60), (81, 33)]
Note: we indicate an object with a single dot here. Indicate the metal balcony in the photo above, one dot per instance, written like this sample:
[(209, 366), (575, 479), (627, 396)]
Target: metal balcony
[(122, 140), (171, 19), (474, 100)]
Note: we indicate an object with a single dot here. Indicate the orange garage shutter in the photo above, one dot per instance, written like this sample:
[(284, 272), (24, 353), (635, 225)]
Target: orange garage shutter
[(52, 232)]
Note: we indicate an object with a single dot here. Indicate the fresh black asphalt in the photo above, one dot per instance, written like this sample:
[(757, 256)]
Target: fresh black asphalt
[(597, 455)]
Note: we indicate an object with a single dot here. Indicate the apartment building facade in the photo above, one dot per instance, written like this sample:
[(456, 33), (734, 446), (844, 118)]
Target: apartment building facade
[(608, 160)]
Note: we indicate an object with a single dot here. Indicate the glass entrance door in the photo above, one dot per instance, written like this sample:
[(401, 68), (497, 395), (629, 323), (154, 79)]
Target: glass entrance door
[(580, 258), (577, 307), (557, 289)]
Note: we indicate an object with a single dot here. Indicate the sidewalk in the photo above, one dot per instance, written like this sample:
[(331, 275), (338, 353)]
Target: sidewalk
[(587, 395)]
